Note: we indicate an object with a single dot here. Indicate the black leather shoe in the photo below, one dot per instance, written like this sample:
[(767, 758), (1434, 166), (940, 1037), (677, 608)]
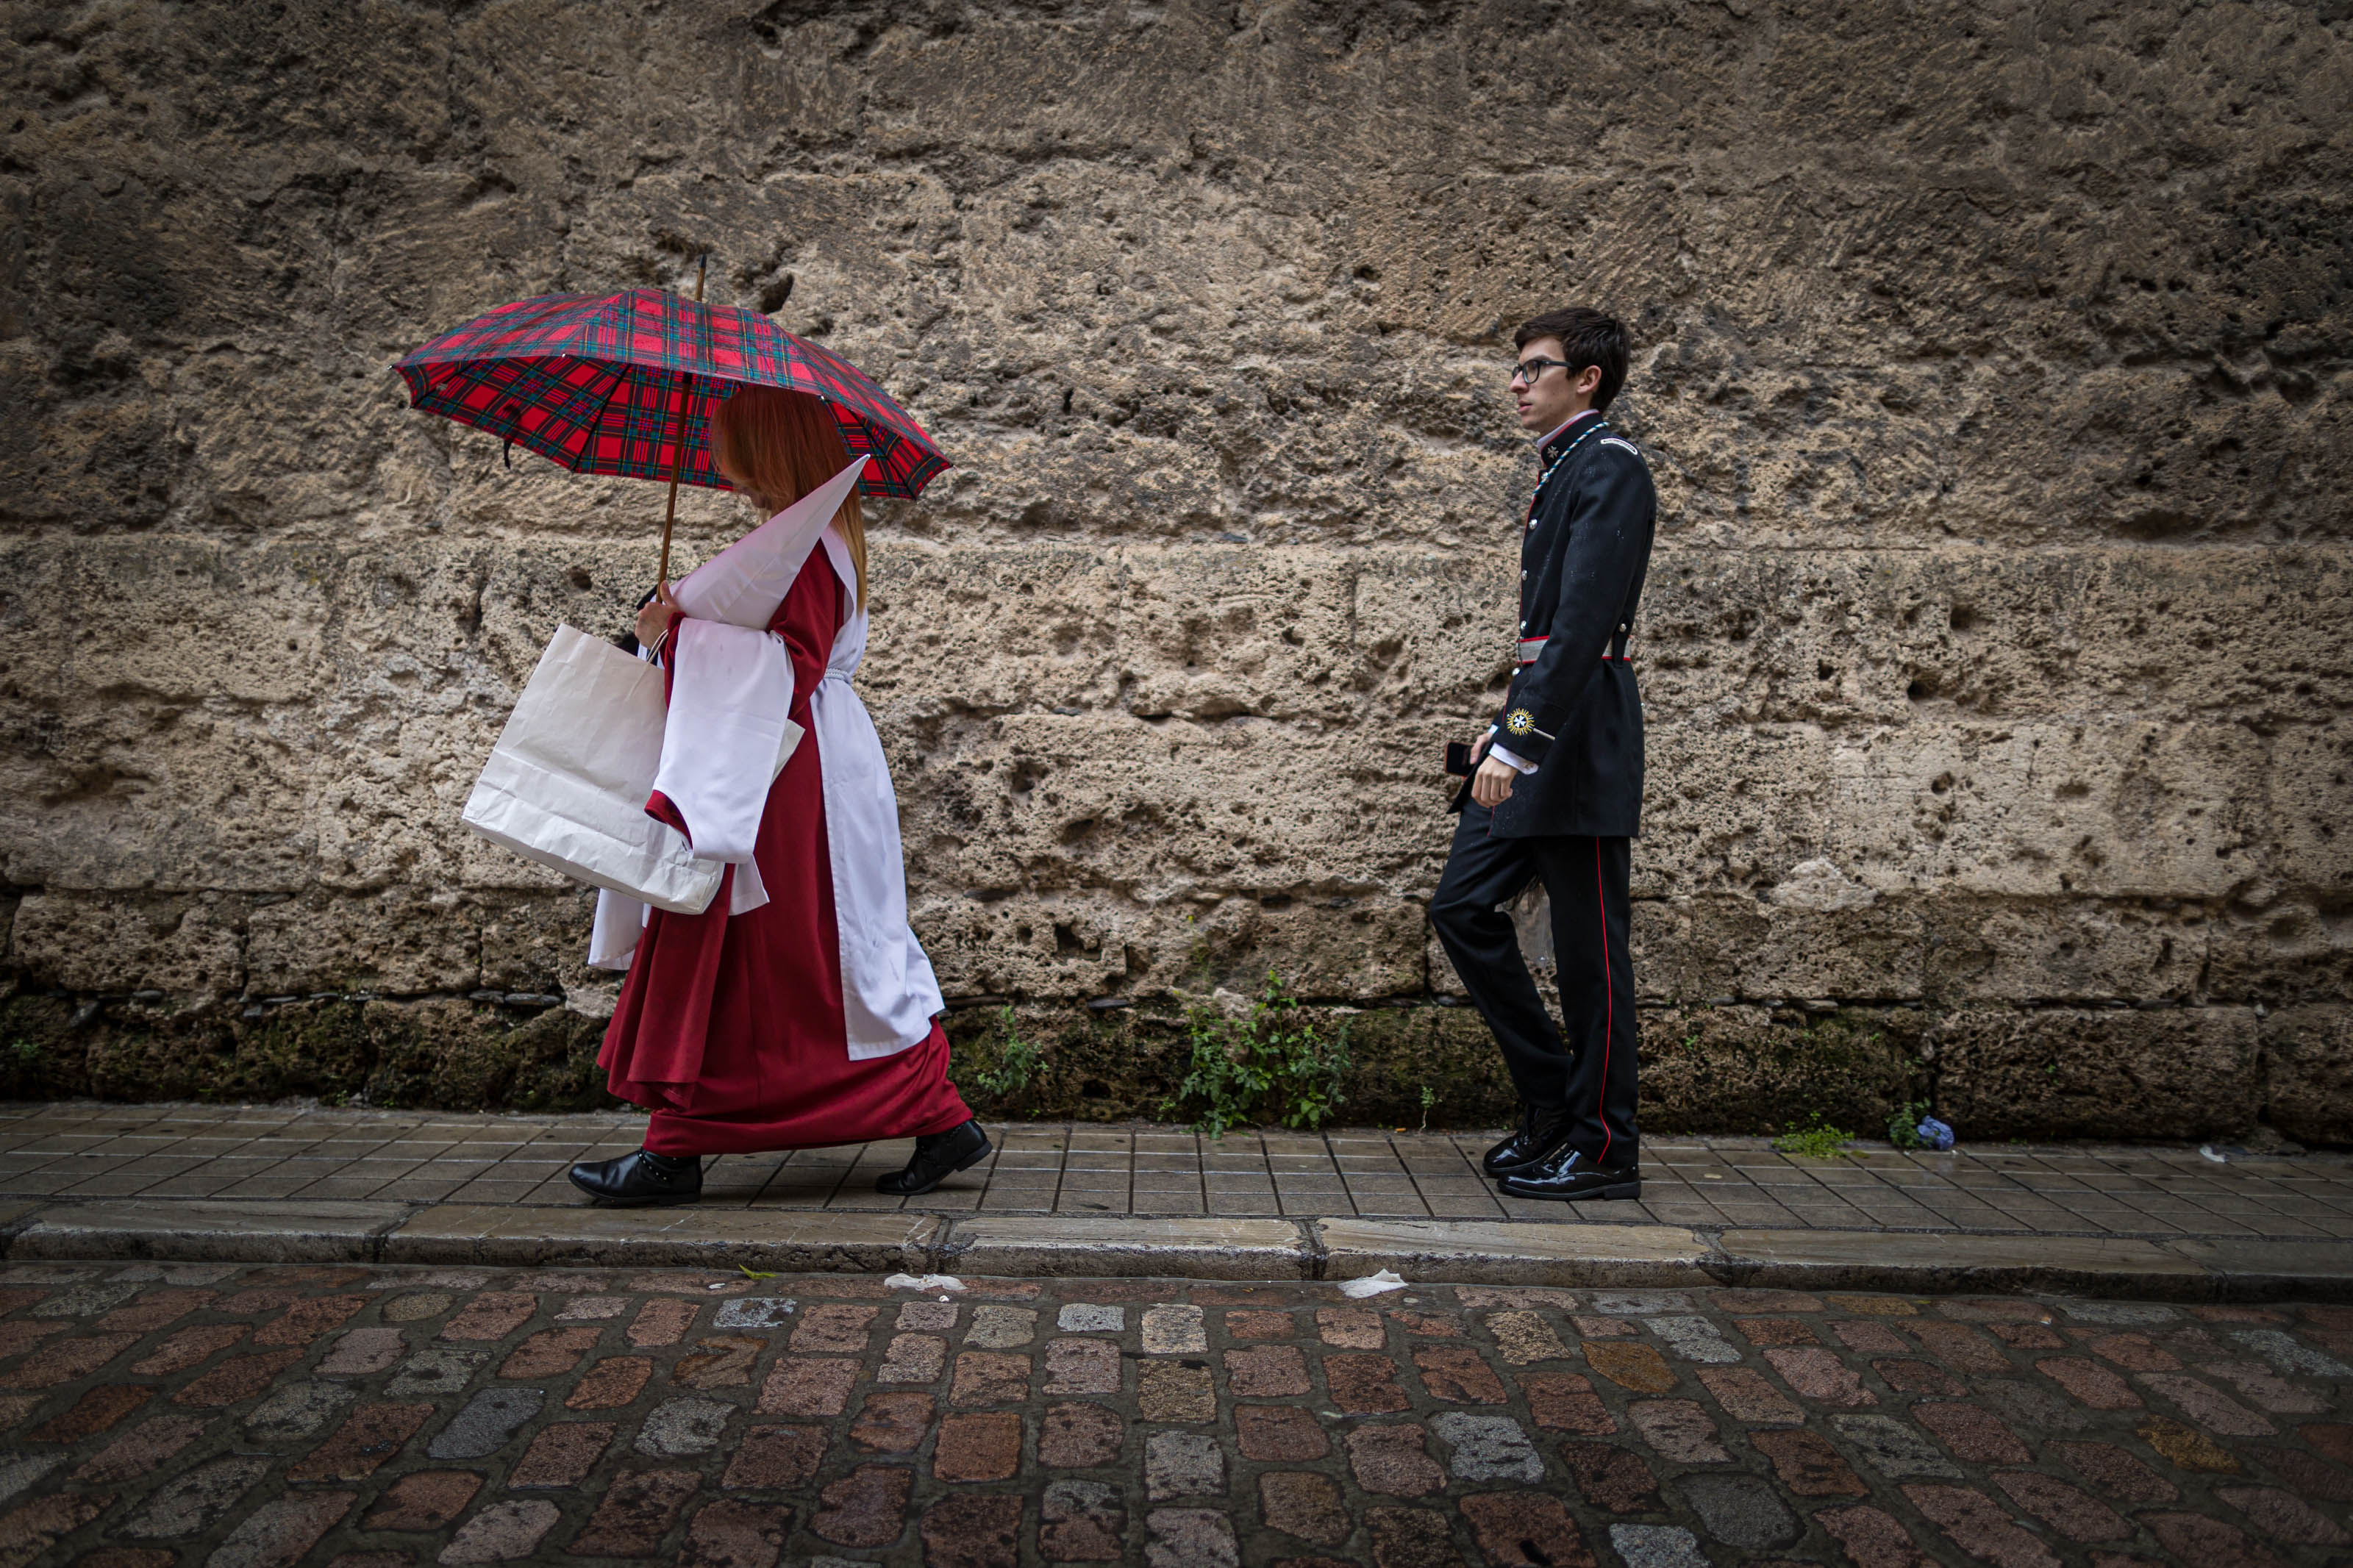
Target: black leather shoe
[(1568, 1176), (644, 1177), (938, 1156), (1541, 1132)]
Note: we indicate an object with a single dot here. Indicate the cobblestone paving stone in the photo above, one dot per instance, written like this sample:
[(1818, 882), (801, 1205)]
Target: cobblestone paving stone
[(87, 1150), (156, 1416)]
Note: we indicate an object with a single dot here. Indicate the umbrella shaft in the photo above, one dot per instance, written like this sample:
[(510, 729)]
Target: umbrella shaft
[(678, 449), (669, 516)]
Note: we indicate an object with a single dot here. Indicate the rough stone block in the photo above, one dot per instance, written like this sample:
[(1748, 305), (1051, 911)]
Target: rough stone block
[(2307, 1073), (1716, 1069), (2185, 1072), (397, 942), (1692, 949), (537, 946), (188, 945), (2075, 951)]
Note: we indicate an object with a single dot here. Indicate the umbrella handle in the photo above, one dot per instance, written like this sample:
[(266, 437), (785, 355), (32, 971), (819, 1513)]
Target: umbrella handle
[(678, 451)]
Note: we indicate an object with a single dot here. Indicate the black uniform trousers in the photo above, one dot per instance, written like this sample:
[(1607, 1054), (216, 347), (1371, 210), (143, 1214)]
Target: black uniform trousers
[(1591, 1071)]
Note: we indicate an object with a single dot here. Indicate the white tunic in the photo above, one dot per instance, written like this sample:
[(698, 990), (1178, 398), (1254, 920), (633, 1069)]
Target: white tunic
[(724, 743)]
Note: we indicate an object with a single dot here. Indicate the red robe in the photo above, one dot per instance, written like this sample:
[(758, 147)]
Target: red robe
[(730, 1026)]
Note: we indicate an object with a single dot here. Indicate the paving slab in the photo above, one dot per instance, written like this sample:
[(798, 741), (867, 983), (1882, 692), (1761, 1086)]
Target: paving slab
[(1481, 1252), (242, 1231), (693, 1236), (1882, 1260), (1136, 1247)]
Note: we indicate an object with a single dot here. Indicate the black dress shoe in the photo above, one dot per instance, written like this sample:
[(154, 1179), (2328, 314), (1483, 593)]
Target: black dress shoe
[(938, 1156), (1542, 1130), (644, 1177), (1568, 1176)]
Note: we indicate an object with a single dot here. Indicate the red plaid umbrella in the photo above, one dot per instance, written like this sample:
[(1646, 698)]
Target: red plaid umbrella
[(626, 383)]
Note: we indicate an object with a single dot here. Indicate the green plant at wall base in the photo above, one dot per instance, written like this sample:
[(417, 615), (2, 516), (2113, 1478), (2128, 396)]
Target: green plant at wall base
[(1274, 1062), (1308, 1066), (1818, 1140), (1220, 1077), (1903, 1126), (1428, 1098), (1017, 1063), (27, 1052)]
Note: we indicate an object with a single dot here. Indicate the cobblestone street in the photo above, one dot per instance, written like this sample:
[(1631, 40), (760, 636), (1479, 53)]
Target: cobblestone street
[(239, 1417)]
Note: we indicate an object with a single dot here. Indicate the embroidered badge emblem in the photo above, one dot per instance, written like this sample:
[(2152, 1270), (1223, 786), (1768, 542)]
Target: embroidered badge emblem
[(1520, 721)]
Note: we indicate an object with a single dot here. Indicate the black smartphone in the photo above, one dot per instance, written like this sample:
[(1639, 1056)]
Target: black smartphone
[(1458, 759)]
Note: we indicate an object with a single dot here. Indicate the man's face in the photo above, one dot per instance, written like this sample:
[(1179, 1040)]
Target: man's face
[(1547, 391)]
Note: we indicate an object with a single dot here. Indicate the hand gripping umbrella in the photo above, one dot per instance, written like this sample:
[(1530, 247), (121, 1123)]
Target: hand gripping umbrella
[(626, 383)]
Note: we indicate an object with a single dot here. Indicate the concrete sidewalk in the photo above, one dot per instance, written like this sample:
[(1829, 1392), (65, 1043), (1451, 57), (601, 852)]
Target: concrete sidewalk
[(308, 1184)]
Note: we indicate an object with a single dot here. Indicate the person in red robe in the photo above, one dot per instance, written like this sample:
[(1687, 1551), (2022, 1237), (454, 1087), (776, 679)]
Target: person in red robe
[(796, 1022)]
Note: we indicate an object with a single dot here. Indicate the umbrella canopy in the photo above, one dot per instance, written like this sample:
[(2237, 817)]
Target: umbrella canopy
[(626, 383)]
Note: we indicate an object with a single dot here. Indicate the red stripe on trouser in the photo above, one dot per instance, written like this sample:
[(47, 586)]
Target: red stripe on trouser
[(1608, 1009)]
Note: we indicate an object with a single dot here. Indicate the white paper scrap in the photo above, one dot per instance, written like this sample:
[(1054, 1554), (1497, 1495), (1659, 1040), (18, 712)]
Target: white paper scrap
[(922, 1282), (1371, 1285)]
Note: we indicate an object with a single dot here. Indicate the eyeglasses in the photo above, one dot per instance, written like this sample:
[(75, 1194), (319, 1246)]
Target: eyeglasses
[(1530, 370)]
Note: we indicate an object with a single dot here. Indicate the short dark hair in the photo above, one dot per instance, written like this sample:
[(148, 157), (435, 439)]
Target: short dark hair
[(1587, 337)]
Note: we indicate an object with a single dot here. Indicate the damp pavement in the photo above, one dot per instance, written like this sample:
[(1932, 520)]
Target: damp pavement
[(91, 1151), (165, 1416)]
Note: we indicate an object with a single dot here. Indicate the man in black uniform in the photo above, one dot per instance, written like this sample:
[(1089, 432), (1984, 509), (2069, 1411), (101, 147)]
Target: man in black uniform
[(1557, 788)]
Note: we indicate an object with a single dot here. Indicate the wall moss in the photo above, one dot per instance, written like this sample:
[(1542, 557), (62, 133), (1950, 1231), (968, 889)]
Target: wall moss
[(439, 1055)]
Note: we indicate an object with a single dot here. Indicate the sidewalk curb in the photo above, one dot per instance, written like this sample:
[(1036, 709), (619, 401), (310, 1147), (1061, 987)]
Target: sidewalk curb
[(1120, 1245), (1484, 1252)]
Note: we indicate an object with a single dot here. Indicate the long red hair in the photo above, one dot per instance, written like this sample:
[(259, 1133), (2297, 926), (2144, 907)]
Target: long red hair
[(777, 447)]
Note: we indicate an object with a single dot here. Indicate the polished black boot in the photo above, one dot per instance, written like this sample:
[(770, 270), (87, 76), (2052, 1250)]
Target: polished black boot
[(644, 1177), (1568, 1176), (938, 1156), (1541, 1132)]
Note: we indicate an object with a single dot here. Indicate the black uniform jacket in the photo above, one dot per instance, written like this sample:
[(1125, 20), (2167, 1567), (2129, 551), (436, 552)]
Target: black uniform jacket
[(1575, 712)]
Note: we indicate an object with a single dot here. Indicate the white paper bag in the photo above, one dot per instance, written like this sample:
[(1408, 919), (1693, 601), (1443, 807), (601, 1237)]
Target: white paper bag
[(567, 782)]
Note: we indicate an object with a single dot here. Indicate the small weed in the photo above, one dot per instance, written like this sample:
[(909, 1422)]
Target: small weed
[(1017, 1062), (1428, 1098), (1272, 1062), (1220, 1074), (1818, 1140), (27, 1052), (1903, 1126)]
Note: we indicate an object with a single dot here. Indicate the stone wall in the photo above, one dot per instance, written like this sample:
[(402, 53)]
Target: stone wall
[(1993, 361)]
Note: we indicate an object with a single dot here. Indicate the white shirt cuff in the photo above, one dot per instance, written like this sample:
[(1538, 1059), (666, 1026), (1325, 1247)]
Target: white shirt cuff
[(1509, 761)]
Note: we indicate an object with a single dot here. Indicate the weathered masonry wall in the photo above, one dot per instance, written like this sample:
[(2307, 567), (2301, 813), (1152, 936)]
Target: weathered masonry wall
[(1993, 361)]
